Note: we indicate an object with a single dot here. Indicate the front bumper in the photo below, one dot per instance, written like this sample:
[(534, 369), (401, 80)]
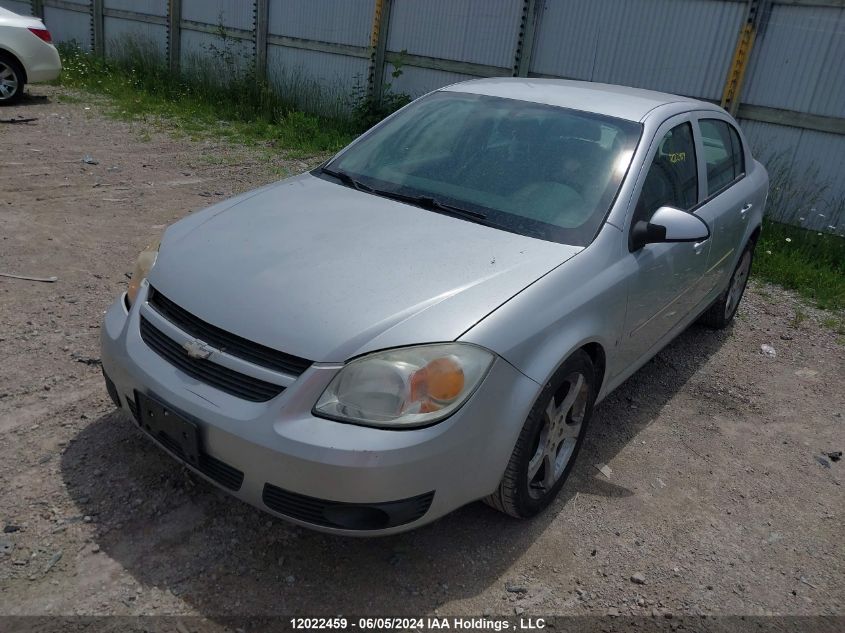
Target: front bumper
[(323, 474)]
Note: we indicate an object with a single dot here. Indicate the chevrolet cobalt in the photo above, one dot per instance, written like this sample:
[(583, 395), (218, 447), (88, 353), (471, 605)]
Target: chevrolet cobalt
[(429, 317)]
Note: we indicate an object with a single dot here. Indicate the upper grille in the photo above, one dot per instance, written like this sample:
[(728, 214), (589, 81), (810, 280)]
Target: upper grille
[(226, 341), (223, 378)]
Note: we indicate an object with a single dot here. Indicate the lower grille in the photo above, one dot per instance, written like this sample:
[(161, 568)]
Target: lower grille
[(225, 475), (206, 371), (213, 468), (347, 516)]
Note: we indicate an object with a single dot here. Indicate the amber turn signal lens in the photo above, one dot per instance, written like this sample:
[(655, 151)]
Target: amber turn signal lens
[(445, 378), (441, 379)]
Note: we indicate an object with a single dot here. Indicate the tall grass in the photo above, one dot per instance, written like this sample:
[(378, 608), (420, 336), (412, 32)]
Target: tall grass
[(801, 197), (809, 262), (802, 245), (214, 94)]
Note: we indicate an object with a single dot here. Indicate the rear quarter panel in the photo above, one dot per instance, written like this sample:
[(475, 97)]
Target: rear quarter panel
[(759, 180), (40, 60)]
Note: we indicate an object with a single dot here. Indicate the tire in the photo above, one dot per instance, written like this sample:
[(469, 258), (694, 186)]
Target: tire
[(539, 466), (11, 80), (722, 312)]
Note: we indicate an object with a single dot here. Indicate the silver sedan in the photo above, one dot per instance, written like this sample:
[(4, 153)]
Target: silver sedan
[(430, 317)]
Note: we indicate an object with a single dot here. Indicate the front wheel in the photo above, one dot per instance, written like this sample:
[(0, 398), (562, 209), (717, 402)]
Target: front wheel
[(11, 81), (549, 441), (721, 313)]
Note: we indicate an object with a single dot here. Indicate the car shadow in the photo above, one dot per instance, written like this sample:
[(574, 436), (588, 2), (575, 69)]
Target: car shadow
[(29, 98), (30, 116), (172, 530)]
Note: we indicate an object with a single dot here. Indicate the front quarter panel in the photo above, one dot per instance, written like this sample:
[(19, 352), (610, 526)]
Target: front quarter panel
[(580, 302)]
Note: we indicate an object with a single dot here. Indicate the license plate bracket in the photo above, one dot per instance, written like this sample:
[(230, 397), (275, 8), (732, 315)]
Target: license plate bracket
[(175, 433)]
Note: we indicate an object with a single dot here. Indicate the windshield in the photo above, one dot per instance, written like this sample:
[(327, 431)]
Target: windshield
[(537, 170)]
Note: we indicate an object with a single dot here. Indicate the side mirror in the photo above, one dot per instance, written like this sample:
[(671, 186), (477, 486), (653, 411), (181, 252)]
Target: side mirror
[(668, 224)]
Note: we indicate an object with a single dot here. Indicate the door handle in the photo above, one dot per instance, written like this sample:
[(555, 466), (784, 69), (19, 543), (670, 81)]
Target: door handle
[(745, 209)]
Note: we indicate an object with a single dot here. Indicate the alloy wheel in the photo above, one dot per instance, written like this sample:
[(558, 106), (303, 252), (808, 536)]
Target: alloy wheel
[(8, 81), (563, 419)]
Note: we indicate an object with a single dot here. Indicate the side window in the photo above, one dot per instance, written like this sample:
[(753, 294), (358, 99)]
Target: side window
[(722, 153), (737, 152), (672, 179)]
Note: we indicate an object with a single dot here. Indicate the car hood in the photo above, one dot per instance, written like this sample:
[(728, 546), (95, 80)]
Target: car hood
[(325, 272)]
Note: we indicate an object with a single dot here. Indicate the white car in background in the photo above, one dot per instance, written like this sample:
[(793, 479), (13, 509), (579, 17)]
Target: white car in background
[(27, 55)]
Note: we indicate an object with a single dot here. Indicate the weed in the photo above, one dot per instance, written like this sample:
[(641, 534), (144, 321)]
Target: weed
[(830, 322), (67, 98), (198, 103), (367, 111), (836, 325), (798, 318), (809, 262), (801, 198)]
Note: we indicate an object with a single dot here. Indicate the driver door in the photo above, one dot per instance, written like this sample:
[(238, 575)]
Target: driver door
[(665, 283)]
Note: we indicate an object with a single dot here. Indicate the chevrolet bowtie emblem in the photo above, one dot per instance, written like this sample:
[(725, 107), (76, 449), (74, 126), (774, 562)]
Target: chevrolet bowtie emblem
[(197, 349)]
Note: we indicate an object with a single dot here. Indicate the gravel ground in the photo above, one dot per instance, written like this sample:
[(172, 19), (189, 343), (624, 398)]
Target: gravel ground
[(720, 500)]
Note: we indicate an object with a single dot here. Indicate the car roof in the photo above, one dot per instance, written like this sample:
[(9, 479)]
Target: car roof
[(617, 101)]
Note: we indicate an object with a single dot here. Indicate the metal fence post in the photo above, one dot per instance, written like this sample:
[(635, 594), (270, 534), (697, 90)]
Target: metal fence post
[(378, 43), (262, 25), (755, 15), (97, 28), (525, 42), (174, 34), (38, 8)]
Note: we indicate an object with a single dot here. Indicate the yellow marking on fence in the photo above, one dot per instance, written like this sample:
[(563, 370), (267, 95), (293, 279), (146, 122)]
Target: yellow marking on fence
[(377, 13), (742, 54)]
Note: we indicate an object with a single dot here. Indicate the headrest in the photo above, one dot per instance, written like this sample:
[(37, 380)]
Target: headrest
[(674, 144), (575, 127)]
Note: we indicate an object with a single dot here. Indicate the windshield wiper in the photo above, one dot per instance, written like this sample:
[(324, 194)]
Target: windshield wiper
[(433, 204), (346, 179), (426, 202)]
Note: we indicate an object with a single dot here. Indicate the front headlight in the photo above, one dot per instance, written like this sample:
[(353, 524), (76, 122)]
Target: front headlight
[(143, 266), (407, 387)]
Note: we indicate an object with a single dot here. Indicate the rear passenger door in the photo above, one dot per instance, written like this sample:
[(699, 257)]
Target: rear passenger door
[(728, 194)]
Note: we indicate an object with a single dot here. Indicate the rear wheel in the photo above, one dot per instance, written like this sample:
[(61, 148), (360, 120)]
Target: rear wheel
[(721, 313), (11, 80), (549, 441)]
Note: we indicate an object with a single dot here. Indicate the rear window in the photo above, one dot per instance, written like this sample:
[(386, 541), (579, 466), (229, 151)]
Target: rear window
[(722, 154)]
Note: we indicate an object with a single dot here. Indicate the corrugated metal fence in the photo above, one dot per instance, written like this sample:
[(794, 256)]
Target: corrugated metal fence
[(778, 64)]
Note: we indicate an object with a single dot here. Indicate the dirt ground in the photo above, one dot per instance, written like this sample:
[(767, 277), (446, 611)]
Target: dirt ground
[(720, 494)]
